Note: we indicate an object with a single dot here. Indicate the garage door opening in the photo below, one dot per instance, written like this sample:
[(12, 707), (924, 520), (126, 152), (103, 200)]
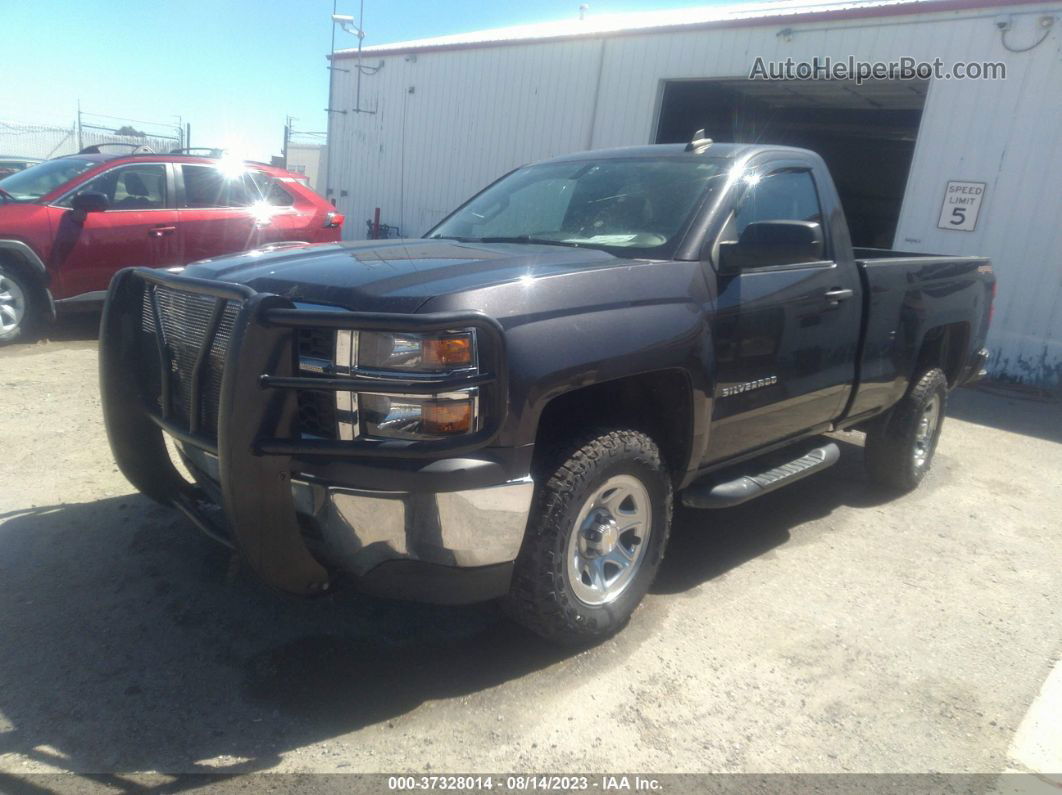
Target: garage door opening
[(866, 134)]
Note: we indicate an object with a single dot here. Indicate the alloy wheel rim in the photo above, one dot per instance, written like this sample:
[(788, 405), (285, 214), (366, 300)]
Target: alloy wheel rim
[(927, 426), (607, 543), (12, 304)]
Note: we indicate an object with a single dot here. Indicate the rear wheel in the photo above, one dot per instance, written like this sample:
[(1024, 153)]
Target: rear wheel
[(901, 444), (595, 540), (18, 305)]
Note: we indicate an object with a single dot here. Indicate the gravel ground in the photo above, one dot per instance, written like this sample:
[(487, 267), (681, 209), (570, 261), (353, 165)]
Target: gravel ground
[(823, 628)]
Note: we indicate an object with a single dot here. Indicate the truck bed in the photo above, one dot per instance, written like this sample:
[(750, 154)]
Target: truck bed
[(903, 292)]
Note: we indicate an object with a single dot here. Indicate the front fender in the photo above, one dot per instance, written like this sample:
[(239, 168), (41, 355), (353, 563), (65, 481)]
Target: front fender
[(578, 329), (554, 356), (26, 254)]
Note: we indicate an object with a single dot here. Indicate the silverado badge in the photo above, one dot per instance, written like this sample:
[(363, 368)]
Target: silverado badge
[(735, 389)]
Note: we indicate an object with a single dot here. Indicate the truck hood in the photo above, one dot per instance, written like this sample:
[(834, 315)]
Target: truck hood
[(393, 275)]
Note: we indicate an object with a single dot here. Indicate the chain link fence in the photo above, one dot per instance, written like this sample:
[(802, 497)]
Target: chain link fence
[(45, 141)]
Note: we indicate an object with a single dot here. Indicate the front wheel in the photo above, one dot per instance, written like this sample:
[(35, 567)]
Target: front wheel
[(900, 445), (595, 540)]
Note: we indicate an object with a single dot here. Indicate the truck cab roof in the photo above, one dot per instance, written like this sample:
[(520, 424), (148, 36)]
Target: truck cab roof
[(729, 151)]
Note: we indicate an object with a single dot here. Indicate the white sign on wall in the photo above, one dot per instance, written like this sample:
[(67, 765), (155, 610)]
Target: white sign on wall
[(962, 203)]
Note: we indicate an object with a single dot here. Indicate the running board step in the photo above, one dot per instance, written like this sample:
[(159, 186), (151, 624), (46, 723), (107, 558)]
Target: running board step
[(747, 487)]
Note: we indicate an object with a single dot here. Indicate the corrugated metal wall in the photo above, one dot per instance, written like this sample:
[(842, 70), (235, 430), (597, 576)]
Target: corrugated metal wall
[(448, 122)]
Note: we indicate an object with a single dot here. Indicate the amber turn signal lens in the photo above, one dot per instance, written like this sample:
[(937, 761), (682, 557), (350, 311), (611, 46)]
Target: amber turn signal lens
[(453, 351), (447, 417)]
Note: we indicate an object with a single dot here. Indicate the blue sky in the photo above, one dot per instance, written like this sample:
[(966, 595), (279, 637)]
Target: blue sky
[(233, 68)]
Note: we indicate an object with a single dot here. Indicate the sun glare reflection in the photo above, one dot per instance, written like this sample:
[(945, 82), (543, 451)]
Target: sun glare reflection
[(231, 167), (262, 212)]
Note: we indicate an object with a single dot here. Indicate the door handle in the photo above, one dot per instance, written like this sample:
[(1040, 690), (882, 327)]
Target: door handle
[(160, 231), (838, 294)]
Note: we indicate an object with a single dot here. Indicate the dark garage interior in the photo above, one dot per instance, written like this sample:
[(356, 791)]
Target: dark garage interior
[(865, 133)]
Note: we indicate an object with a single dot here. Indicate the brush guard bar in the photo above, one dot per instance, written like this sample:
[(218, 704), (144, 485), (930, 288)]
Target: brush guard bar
[(258, 443)]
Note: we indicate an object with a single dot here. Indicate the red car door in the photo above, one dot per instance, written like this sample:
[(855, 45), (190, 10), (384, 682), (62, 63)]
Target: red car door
[(139, 227), (279, 216), (215, 215)]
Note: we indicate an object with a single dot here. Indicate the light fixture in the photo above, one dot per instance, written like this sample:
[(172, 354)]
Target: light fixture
[(346, 22), (412, 356)]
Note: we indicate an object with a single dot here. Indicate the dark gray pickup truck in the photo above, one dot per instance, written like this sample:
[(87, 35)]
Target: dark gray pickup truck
[(506, 407)]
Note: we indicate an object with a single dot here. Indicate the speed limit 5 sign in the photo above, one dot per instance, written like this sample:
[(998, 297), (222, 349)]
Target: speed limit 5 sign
[(962, 203)]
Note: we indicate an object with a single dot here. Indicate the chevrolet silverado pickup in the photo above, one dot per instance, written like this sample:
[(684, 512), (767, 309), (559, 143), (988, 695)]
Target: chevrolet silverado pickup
[(507, 407)]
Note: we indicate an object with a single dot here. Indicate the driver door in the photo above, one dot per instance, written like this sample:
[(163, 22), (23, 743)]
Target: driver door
[(784, 343), (139, 228)]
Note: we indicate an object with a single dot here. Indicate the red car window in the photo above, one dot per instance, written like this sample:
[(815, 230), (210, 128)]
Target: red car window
[(207, 186), (267, 189), (139, 186)]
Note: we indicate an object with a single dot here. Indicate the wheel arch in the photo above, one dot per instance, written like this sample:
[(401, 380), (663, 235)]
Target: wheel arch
[(944, 346), (658, 403), (24, 260)]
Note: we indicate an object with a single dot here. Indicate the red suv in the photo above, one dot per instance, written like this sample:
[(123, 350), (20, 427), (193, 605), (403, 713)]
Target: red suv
[(67, 225)]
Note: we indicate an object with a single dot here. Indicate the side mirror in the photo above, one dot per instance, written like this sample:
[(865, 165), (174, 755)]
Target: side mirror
[(767, 243), (90, 202)]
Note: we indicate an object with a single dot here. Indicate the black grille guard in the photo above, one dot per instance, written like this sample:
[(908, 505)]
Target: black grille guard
[(257, 435)]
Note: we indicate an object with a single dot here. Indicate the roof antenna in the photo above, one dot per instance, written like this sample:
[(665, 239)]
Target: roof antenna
[(699, 143)]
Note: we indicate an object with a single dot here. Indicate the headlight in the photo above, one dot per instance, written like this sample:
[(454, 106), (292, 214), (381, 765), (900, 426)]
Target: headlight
[(426, 354), (420, 417), (377, 354)]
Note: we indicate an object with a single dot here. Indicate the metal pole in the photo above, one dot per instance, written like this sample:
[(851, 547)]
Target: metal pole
[(188, 135), (287, 136), (361, 35), (80, 142), (331, 86)]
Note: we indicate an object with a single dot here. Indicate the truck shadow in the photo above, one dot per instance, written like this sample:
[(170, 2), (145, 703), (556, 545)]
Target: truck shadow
[(82, 325), (708, 544), (131, 643)]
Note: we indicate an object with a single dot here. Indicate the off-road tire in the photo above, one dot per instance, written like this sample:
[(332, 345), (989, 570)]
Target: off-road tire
[(26, 329), (890, 448), (541, 598)]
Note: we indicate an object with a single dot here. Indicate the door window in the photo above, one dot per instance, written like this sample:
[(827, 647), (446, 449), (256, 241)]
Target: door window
[(141, 186), (788, 195), (263, 188), (206, 186)]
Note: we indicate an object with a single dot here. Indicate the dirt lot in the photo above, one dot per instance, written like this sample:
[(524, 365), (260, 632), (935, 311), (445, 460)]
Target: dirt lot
[(822, 628)]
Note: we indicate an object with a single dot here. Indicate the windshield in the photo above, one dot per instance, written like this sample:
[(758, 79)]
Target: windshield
[(632, 207), (42, 179)]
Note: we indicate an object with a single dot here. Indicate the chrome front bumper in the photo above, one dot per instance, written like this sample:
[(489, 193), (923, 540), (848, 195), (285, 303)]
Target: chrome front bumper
[(361, 529)]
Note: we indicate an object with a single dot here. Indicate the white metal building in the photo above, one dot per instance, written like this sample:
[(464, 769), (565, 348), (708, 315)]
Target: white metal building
[(440, 118), (309, 159)]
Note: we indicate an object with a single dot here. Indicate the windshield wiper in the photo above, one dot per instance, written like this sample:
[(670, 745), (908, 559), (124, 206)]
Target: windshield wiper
[(6, 196), (528, 239), (508, 239)]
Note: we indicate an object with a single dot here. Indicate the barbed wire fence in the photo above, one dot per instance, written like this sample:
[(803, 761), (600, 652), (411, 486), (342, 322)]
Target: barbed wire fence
[(307, 138), (44, 141)]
